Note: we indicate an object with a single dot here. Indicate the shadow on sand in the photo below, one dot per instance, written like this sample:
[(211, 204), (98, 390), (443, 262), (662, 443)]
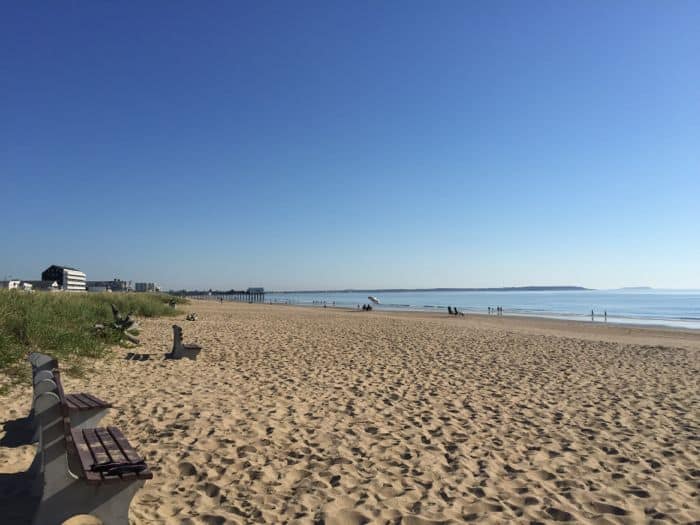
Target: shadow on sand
[(18, 432), (18, 499)]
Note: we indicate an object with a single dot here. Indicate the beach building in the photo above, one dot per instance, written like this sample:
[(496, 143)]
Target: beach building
[(118, 285), (29, 286), (67, 278), (147, 287), (115, 285)]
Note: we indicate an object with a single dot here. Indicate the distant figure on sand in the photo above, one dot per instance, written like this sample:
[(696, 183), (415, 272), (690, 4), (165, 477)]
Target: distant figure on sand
[(592, 316), (605, 316)]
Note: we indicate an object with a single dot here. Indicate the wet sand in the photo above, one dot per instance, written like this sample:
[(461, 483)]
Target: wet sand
[(305, 415)]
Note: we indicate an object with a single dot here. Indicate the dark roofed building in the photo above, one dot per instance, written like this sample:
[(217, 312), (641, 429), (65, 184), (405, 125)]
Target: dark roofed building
[(67, 278)]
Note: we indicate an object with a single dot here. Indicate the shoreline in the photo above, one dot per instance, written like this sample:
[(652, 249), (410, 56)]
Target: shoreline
[(640, 334)]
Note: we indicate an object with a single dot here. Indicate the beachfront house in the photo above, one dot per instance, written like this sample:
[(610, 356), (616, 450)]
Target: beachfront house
[(67, 278)]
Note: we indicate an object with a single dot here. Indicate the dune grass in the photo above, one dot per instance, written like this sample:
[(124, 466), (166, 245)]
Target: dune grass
[(62, 324)]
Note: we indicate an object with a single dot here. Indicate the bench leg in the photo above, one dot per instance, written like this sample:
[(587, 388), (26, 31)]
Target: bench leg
[(78, 419), (183, 353), (87, 418), (190, 354), (108, 502), (64, 495)]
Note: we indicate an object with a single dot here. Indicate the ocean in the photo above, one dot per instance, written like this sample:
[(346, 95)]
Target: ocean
[(675, 308)]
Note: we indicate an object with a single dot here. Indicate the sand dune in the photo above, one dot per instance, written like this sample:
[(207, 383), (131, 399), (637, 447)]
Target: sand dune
[(294, 415)]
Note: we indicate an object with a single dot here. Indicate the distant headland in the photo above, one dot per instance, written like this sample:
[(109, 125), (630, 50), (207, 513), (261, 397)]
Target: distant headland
[(502, 289)]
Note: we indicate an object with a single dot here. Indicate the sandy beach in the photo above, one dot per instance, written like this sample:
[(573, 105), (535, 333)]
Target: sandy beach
[(310, 415)]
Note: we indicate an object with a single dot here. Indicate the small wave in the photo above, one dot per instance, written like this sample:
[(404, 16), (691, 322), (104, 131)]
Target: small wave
[(394, 305)]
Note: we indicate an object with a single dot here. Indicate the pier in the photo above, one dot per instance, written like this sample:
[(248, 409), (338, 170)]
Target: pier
[(251, 295)]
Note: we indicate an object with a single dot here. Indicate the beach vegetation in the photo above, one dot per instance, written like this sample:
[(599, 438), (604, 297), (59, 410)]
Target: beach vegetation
[(63, 325)]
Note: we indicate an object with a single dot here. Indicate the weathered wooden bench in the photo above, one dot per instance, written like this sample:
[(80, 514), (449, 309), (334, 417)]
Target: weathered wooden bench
[(85, 409), (181, 350), (82, 470)]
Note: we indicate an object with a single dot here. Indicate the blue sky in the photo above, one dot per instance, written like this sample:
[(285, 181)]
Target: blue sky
[(298, 145)]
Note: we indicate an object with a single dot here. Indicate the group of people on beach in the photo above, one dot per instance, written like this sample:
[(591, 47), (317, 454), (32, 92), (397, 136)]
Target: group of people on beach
[(324, 303), (497, 311), (365, 307)]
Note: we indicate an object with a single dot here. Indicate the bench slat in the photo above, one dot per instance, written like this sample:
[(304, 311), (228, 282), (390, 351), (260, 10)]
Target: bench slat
[(111, 446), (75, 403), (85, 456), (96, 401), (129, 451), (96, 448), (124, 445), (114, 451), (83, 401)]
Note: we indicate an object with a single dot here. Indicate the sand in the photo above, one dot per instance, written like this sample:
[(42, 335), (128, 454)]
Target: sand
[(300, 415)]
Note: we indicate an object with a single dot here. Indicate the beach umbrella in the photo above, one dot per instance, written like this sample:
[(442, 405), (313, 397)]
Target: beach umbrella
[(373, 299)]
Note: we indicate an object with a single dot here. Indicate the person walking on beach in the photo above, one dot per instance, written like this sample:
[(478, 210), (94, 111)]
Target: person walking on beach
[(605, 316), (592, 316)]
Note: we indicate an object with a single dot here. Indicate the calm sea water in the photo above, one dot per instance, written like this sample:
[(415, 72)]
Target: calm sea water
[(677, 308)]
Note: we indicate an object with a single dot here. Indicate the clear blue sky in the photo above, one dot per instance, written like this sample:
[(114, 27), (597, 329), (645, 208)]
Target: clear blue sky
[(298, 145)]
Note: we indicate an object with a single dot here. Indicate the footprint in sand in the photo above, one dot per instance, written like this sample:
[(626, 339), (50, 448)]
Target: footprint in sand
[(559, 515), (187, 469), (345, 517), (605, 508)]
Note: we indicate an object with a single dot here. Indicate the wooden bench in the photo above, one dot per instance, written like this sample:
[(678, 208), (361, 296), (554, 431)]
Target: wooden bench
[(181, 350), (85, 409), (82, 470)]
